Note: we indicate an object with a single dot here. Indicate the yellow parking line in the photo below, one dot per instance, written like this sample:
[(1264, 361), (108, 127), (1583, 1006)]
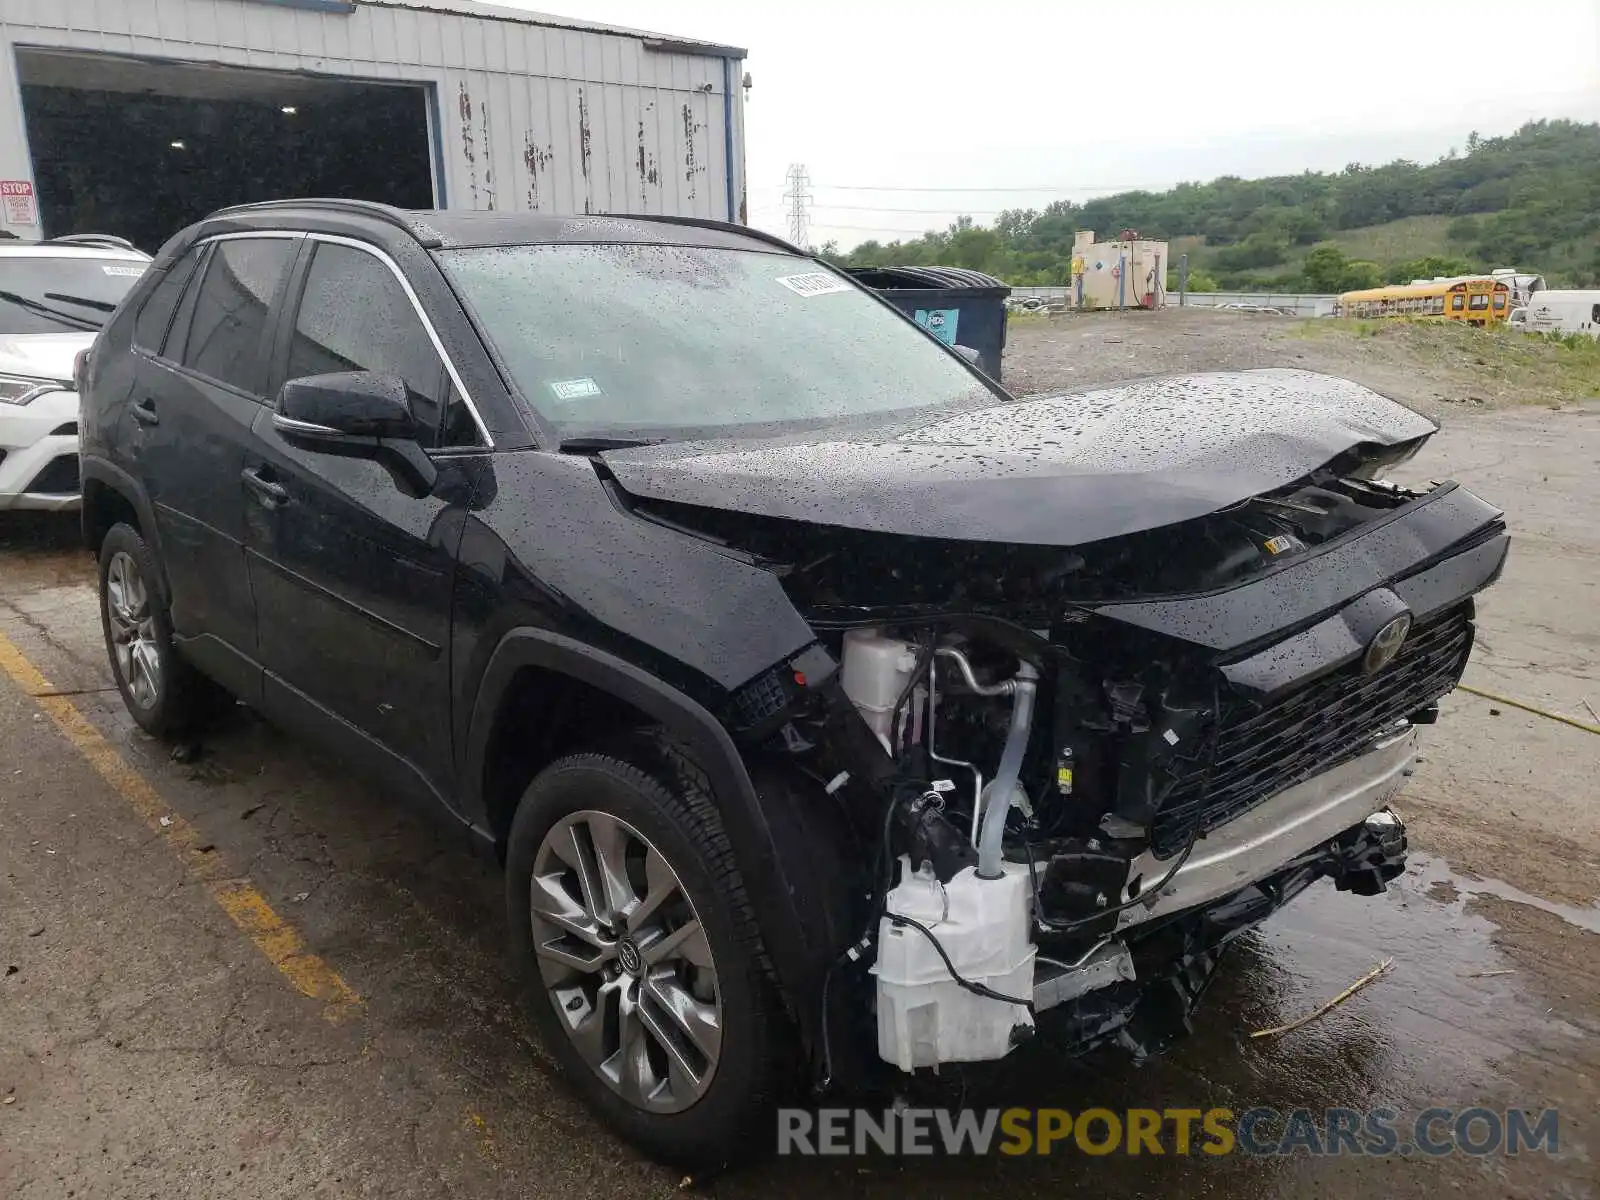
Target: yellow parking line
[(247, 908)]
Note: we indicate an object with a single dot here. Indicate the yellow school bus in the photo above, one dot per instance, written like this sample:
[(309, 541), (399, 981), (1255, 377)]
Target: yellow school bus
[(1477, 300)]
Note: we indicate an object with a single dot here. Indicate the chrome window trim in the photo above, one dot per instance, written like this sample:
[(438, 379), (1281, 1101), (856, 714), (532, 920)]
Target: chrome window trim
[(334, 239), (433, 335), (288, 234)]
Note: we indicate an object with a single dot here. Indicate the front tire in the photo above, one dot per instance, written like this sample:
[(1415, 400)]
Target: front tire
[(164, 694), (643, 960)]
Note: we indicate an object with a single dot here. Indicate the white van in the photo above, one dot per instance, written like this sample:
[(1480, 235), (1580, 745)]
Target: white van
[(1560, 312)]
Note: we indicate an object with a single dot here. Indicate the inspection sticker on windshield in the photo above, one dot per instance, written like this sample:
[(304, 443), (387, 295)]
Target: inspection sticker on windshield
[(816, 283), (568, 390), (122, 269)]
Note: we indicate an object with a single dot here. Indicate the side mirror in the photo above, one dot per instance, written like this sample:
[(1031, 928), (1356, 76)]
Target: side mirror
[(357, 414), (345, 404), (971, 355)]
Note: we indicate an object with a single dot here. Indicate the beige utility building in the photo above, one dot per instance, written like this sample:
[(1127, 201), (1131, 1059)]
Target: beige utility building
[(1130, 272)]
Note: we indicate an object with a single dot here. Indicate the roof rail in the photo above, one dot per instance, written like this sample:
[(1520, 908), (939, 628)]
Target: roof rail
[(417, 227), (367, 208), (749, 231), (104, 240)]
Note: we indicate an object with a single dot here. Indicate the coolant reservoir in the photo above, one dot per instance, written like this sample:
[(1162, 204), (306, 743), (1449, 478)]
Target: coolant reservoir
[(924, 1016), (874, 671)]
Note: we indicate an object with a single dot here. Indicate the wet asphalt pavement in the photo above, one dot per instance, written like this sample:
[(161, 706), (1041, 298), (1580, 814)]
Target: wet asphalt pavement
[(148, 1047)]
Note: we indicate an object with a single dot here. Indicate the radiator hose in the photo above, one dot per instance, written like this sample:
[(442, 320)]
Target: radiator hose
[(1001, 792)]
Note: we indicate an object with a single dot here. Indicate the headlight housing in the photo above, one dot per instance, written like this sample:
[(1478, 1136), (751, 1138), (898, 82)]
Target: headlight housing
[(21, 389)]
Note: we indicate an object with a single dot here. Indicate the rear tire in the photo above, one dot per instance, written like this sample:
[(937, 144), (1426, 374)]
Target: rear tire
[(164, 694), (698, 1092)]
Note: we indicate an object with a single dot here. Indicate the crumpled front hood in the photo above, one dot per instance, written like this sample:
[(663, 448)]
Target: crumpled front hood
[(1054, 470), (42, 355)]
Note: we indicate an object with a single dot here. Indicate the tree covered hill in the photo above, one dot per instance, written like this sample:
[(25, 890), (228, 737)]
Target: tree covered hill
[(1530, 200)]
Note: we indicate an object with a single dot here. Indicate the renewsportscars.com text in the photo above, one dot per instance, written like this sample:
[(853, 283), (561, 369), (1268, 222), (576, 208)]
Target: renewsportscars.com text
[(1433, 1132)]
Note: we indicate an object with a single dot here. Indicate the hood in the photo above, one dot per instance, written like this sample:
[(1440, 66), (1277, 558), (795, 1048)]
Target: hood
[(42, 355), (1053, 470)]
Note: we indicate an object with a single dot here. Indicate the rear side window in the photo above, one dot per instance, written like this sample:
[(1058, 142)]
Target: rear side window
[(150, 328), (231, 304), (355, 316)]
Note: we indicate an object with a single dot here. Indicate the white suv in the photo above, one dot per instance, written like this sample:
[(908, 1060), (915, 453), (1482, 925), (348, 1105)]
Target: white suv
[(54, 297)]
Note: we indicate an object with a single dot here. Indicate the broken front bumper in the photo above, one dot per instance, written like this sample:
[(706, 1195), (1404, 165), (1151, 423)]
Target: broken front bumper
[(1277, 831), (1140, 984)]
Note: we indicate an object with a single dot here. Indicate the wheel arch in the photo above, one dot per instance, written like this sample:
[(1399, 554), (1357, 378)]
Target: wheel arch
[(111, 495), (795, 946)]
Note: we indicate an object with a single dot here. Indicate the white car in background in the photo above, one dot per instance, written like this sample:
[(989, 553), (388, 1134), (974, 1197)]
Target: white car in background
[(54, 298)]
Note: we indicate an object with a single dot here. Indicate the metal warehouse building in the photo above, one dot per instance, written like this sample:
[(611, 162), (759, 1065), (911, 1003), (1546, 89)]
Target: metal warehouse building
[(134, 117)]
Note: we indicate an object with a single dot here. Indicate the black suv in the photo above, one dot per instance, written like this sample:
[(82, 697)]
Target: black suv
[(832, 711)]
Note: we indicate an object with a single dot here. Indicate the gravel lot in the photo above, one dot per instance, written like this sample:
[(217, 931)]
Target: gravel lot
[(1437, 369), (147, 1049)]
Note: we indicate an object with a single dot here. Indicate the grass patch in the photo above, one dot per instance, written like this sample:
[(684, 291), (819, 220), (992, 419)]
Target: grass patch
[(1020, 318), (1391, 242), (1395, 241), (1528, 368)]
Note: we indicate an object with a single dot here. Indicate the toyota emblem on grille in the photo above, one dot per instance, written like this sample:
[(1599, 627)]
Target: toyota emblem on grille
[(1386, 644)]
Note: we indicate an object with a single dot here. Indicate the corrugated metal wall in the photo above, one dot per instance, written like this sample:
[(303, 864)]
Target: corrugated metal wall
[(528, 116)]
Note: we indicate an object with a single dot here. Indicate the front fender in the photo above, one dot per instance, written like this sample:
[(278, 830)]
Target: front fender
[(794, 945)]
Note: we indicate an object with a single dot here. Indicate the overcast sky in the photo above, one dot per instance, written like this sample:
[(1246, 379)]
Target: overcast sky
[(1074, 99)]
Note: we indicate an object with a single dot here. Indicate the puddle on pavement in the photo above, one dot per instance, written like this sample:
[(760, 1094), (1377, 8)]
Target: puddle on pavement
[(1448, 1025), (1436, 874), (1411, 1035)]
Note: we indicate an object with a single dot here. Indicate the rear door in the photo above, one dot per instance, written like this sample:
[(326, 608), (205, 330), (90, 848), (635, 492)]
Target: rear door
[(353, 578), (197, 391)]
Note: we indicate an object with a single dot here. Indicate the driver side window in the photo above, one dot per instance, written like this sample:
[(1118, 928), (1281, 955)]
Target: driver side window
[(355, 316)]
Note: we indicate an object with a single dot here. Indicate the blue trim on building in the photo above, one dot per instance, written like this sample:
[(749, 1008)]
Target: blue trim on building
[(341, 8), (441, 197), (727, 135)]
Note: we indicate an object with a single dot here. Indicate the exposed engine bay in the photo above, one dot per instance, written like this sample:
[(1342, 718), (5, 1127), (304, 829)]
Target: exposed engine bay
[(1078, 812), (1100, 681)]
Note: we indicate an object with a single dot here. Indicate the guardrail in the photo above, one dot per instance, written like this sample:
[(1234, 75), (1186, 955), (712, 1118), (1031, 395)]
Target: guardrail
[(1300, 304)]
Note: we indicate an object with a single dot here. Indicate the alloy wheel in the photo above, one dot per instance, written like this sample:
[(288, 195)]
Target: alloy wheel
[(625, 961), (133, 635)]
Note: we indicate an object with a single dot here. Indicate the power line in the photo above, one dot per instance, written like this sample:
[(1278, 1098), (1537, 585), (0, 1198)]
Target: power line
[(875, 228), (866, 187), (966, 212)]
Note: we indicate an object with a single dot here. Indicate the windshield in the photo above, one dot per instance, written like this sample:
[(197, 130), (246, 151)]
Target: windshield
[(54, 293), (648, 341)]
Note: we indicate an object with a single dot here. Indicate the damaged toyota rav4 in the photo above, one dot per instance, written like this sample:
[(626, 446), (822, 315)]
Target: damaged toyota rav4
[(834, 713)]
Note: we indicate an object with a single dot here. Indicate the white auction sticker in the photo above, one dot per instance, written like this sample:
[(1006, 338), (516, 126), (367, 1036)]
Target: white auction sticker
[(816, 283), (127, 271), (567, 390)]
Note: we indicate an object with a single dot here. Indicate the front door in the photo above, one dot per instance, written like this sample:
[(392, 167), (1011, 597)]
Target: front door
[(198, 389), (352, 577)]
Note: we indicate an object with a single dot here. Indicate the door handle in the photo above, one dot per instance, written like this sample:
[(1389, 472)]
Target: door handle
[(144, 412), (268, 491)]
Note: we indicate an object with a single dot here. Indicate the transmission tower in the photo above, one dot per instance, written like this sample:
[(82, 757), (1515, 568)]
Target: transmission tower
[(799, 197)]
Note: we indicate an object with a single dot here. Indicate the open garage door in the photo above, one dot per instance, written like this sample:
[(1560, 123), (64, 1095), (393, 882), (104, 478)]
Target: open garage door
[(140, 148)]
